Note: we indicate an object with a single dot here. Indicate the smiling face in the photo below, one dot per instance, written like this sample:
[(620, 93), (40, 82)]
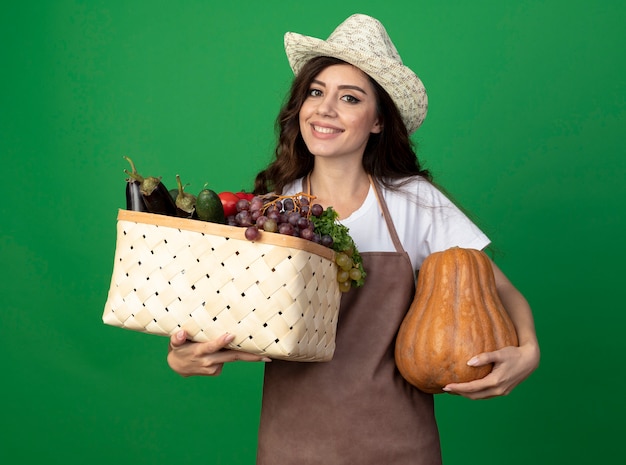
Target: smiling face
[(339, 113)]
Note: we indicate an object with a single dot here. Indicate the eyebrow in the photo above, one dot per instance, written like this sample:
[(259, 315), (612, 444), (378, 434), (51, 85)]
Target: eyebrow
[(342, 87)]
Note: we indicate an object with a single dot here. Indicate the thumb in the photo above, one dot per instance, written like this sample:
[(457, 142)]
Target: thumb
[(178, 339)]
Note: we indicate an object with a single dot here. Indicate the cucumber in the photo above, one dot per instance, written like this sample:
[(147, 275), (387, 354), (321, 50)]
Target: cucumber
[(209, 207)]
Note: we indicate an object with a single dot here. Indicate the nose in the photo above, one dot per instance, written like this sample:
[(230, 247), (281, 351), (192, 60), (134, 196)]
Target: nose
[(326, 106)]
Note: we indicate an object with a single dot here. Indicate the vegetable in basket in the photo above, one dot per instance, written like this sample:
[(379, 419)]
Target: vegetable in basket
[(209, 206), (244, 195), (293, 215), (229, 202), (185, 202), (134, 197), (155, 195)]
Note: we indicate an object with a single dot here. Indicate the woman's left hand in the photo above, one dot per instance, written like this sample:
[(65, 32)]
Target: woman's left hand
[(511, 366)]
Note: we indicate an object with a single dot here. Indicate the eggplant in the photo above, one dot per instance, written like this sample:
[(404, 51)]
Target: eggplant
[(156, 197), (134, 197), (185, 203)]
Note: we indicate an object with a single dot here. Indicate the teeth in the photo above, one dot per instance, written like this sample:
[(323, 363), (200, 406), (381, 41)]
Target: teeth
[(325, 130)]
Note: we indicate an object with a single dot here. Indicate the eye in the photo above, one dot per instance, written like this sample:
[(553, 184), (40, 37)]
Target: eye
[(315, 93), (350, 99)]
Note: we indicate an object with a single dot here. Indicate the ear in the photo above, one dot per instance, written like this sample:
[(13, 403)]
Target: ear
[(377, 127)]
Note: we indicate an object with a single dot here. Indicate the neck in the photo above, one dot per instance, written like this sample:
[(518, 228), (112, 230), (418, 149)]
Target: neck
[(343, 189)]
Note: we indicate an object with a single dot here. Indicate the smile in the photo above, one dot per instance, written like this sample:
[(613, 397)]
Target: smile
[(325, 130)]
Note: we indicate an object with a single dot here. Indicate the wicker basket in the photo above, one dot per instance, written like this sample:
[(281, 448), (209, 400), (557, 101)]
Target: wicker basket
[(279, 295)]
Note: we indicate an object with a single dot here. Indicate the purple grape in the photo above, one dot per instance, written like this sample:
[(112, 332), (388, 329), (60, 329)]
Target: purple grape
[(273, 215), (307, 234), (326, 240), (256, 203), (304, 223), (252, 233), (243, 218), (316, 209), (272, 208), (293, 218), (242, 205), (286, 228), (288, 205)]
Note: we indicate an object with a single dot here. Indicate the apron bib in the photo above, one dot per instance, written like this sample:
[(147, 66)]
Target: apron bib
[(356, 408)]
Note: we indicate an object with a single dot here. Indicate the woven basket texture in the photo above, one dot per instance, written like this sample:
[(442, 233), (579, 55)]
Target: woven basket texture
[(172, 273)]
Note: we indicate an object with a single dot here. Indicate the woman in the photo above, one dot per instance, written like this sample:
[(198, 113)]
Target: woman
[(344, 138)]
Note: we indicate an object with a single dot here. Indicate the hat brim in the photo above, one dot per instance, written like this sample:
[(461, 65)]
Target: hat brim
[(401, 83)]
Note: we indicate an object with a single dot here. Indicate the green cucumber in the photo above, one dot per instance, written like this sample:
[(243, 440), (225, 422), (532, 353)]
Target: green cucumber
[(209, 207)]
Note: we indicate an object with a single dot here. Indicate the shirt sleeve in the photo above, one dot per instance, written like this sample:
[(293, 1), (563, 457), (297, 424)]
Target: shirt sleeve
[(428, 221)]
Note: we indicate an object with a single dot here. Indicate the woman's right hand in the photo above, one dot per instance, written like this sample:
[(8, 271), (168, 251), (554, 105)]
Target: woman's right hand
[(189, 358)]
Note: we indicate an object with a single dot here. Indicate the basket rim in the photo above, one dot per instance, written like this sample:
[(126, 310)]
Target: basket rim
[(233, 232)]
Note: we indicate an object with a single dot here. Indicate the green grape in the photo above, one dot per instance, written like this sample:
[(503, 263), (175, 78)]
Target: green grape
[(345, 286), (348, 266), (342, 275), (336, 236), (343, 261), (355, 274)]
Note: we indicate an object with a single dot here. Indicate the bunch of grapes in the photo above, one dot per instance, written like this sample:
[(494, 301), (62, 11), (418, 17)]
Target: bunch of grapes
[(297, 216)]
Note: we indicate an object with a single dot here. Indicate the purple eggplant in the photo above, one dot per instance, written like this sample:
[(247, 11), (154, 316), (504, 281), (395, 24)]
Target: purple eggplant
[(134, 197), (156, 197)]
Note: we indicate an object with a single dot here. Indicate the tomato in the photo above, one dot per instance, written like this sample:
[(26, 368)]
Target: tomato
[(229, 202), (244, 195)]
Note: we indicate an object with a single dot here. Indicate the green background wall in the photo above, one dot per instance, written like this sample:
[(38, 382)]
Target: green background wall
[(525, 129)]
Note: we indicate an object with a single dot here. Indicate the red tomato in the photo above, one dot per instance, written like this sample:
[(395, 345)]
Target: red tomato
[(245, 195), (229, 202)]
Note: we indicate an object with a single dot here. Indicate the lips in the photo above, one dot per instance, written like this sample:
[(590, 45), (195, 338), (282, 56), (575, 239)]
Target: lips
[(326, 129)]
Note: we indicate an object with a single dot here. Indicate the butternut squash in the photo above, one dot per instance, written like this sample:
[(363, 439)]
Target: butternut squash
[(456, 314)]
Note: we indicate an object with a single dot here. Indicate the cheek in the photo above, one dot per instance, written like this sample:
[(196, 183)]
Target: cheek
[(302, 123), (372, 123), (303, 115), (364, 123)]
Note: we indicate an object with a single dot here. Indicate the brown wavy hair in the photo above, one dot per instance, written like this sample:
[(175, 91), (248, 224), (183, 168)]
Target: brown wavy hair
[(389, 155)]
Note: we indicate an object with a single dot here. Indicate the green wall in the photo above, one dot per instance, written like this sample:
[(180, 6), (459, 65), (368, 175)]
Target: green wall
[(525, 128)]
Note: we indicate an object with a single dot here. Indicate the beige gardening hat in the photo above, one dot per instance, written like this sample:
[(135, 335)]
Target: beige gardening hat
[(363, 42)]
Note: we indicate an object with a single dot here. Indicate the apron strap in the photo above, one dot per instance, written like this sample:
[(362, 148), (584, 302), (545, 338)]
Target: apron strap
[(386, 215)]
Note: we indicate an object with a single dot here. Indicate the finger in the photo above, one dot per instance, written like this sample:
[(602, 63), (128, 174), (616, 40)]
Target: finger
[(469, 391), (484, 388), (467, 388), (216, 345), (224, 356), (218, 351), (495, 357), (178, 339), (482, 359)]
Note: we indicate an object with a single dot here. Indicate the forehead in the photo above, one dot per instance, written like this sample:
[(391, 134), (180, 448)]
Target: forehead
[(344, 74)]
